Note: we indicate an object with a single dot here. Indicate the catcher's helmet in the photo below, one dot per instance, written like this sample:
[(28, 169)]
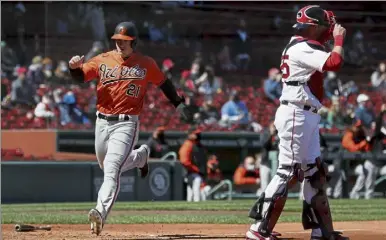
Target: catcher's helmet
[(126, 31), (311, 15)]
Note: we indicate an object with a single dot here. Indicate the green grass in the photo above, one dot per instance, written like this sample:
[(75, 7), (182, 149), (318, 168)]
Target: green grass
[(233, 212)]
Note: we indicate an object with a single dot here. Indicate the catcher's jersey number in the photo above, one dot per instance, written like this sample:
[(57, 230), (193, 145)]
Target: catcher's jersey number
[(284, 68), (133, 90)]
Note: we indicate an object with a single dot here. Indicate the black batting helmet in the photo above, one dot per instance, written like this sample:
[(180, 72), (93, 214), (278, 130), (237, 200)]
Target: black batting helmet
[(126, 31), (311, 15)]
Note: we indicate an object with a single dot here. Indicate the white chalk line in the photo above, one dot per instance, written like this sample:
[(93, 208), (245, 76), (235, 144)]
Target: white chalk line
[(297, 232)]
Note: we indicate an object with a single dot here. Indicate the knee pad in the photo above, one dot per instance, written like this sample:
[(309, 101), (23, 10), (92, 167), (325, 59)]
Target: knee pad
[(319, 179), (276, 202)]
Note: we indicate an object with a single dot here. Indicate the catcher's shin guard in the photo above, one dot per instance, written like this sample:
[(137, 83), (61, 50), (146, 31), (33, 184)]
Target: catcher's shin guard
[(316, 213), (267, 210)]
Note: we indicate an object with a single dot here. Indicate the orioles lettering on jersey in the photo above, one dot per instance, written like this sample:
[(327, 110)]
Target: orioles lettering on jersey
[(118, 73), (122, 84)]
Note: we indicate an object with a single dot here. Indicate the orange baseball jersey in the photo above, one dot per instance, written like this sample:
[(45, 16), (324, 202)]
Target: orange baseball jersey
[(122, 84)]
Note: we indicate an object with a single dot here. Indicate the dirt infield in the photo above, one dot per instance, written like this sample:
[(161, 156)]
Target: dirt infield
[(374, 230)]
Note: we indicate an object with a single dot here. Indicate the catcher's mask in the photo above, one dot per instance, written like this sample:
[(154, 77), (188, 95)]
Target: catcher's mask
[(314, 15), (126, 31)]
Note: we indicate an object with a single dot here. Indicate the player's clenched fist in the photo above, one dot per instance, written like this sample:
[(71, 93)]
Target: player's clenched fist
[(76, 62), (339, 30)]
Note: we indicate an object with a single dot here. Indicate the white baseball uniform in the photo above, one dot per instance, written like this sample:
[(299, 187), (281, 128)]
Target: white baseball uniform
[(298, 128)]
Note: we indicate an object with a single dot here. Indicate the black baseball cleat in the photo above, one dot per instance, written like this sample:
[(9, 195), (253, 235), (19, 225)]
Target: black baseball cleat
[(144, 171), (335, 236)]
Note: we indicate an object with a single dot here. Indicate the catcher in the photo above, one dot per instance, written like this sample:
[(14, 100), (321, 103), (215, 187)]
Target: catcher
[(304, 60)]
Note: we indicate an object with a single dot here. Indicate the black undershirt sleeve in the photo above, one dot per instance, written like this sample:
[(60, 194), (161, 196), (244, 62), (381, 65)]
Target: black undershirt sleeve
[(171, 93), (77, 74)]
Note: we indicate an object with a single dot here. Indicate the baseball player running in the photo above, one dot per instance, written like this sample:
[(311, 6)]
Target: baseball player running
[(303, 61), (123, 75)]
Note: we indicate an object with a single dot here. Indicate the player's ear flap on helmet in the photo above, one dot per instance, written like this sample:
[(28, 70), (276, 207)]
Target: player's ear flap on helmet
[(299, 15)]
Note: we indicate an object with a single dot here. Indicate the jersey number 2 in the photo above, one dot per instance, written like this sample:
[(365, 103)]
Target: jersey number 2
[(284, 68), (133, 90)]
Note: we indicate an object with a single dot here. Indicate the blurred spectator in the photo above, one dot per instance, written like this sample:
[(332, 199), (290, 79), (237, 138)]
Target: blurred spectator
[(97, 48), (208, 114), (170, 33), (332, 85), (155, 33), (247, 177), (70, 106), (5, 86), (224, 58), (323, 112), (65, 117), (355, 140), (214, 176), (196, 70), (208, 84), (47, 67), (272, 85), (242, 46), (348, 114), (187, 83), (8, 59), (35, 73), (61, 75), (22, 91), (192, 155), (269, 153), (364, 111), (234, 111), (198, 57), (378, 78), (349, 88), (157, 143), (335, 117), (44, 109), (188, 77)]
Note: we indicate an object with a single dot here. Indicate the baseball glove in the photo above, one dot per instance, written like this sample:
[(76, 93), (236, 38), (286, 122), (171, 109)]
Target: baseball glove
[(185, 113)]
